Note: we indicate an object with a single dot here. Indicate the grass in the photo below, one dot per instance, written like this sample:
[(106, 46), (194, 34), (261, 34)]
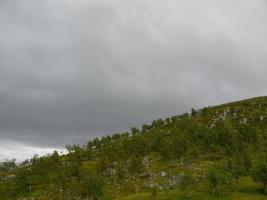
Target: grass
[(177, 195)]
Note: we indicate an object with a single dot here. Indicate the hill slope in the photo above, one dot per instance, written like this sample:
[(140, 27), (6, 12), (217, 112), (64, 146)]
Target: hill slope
[(214, 151)]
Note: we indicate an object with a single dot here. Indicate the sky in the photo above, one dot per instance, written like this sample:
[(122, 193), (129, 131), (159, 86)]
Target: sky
[(72, 70)]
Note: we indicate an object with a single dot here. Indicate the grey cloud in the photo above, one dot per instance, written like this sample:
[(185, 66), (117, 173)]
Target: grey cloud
[(72, 70)]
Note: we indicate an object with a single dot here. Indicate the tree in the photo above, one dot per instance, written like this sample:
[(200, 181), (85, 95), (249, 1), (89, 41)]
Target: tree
[(187, 185), (179, 145), (22, 180), (155, 123), (8, 165), (219, 180), (193, 112), (91, 183), (249, 134), (136, 165), (145, 128), (135, 131), (259, 173), (154, 191), (239, 165)]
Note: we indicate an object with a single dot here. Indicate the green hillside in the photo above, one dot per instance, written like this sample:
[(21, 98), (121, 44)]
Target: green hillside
[(216, 152)]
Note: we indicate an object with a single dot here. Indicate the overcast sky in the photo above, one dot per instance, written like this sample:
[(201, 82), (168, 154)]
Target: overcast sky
[(71, 70)]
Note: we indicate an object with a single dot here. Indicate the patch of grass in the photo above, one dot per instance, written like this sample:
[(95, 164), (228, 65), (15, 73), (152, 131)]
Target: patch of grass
[(177, 195)]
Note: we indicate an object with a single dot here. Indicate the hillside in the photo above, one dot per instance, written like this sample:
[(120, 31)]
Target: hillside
[(215, 152)]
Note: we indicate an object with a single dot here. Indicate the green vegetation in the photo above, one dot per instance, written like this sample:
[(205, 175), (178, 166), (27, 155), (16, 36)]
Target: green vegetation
[(213, 153), (177, 195)]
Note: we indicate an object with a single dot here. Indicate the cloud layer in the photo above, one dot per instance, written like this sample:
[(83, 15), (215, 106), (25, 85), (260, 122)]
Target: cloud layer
[(71, 70)]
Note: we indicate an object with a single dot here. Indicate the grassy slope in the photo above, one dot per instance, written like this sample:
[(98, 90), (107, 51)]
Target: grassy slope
[(246, 190), (177, 195)]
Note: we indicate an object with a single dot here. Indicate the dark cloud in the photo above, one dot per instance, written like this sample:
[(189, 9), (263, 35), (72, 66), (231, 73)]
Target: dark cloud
[(71, 70)]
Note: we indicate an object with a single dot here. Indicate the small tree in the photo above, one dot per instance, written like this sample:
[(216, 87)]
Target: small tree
[(239, 165), (259, 173), (219, 181), (187, 185), (135, 131), (154, 191), (193, 112), (91, 184), (8, 165)]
